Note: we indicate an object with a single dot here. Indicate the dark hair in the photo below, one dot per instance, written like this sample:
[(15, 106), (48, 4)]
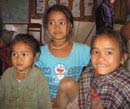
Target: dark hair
[(60, 8), (29, 40), (114, 35)]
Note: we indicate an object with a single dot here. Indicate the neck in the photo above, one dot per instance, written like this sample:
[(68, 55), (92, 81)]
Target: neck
[(21, 76), (58, 45)]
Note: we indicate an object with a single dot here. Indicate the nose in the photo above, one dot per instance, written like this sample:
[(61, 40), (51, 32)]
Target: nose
[(18, 57), (57, 26), (101, 56)]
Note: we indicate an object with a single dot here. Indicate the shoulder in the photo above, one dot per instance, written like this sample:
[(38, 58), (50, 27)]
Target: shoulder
[(9, 71), (43, 47), (40, 78), (81, 46), (88, 69), (121, 85), (122, 75), (87, 72), (120, 79), (44, 51), (82, 50), (37, 72)]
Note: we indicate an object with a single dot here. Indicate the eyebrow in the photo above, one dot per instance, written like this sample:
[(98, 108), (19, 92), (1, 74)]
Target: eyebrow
[(20, 51), (104, 48), (54, 20)]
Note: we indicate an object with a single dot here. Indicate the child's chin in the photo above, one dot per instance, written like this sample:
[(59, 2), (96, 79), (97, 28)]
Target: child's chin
[(103, 73)]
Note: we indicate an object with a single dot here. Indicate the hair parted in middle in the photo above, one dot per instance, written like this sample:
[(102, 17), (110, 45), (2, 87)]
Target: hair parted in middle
[(61, 8)]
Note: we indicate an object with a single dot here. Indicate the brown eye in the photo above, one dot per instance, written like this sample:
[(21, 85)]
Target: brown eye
[(94, 52), (51, 23), (13, 54), (24, 54), (109, 52), (62, 23)]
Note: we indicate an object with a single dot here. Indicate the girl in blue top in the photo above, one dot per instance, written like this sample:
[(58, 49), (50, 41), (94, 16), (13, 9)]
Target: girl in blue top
[(61, 57)]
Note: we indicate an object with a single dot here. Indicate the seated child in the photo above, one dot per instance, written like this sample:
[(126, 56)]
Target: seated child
[(23, 85), (106, 84), (61, 57)]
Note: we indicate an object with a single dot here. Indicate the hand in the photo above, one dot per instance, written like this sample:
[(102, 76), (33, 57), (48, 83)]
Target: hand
[(53, 103)]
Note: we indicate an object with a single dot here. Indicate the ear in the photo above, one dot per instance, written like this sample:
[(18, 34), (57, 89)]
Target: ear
[(36, 56), (70, 28), (124, 58)]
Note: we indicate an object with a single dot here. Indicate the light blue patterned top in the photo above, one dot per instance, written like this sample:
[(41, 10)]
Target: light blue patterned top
[(55, 68)]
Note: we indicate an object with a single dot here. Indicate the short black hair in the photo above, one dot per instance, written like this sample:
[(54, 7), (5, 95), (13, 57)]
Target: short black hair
[(27, 39)]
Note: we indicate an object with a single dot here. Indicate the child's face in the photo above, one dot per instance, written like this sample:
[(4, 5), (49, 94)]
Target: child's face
[(105, 55), (57, 25), (22, 57)]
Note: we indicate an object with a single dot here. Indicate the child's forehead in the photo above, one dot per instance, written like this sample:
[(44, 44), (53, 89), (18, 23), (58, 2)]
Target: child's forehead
[(106, 37), (56, 11), (103, 40), (21, 43), (57, 16)]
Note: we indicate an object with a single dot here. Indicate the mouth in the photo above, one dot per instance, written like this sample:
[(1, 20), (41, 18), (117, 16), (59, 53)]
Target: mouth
[(58, 33), (101, 65), (18, 65)]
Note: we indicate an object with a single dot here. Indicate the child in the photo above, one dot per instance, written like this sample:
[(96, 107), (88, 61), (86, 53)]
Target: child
[(106, 85), (61, 57), (23, 86)]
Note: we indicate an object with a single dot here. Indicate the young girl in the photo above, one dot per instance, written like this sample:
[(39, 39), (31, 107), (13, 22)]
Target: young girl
[(61, 57), (106, 85), (23, 86)]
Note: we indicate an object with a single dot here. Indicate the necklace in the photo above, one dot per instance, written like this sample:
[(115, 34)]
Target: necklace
[(58, 47)]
